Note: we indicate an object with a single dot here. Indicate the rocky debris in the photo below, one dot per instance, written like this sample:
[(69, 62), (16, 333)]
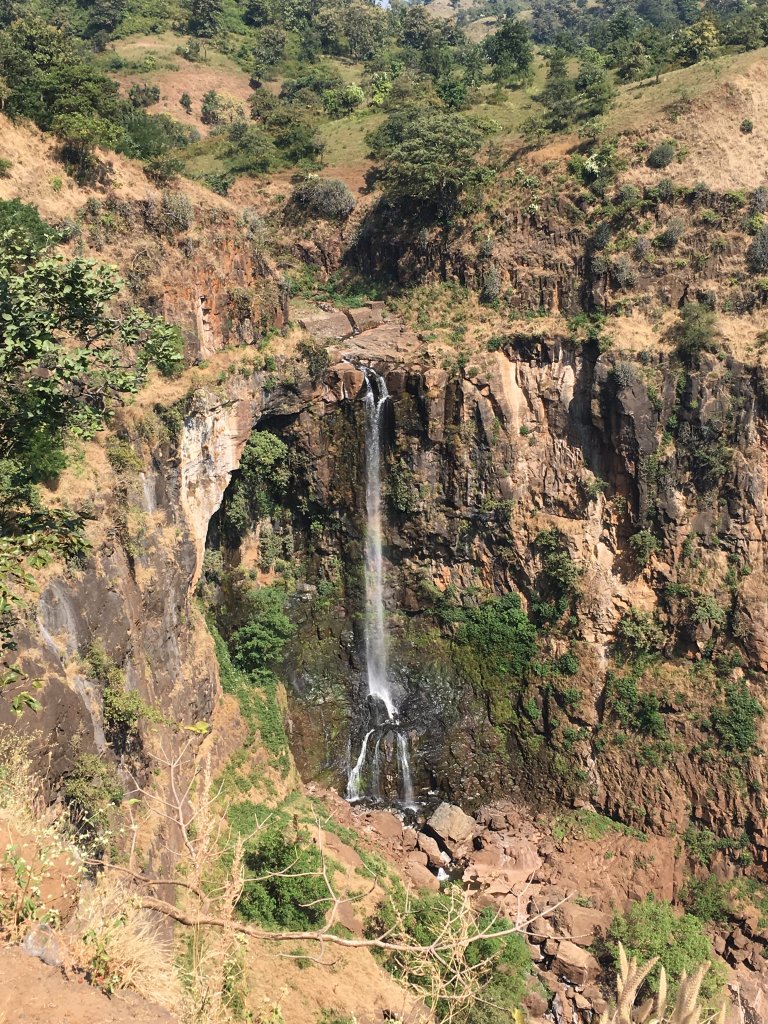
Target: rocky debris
[(453, 828)]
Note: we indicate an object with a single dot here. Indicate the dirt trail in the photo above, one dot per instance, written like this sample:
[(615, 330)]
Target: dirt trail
[(33, 993)]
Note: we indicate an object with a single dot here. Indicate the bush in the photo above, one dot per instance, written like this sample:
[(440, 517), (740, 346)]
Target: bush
[(24, 218), (708, 900), (286, 899), (643, 544), (316, 357), (5, 167), (122, 456), (500, 632), (746, 127), (483, 982), (735, 720), (263, 637), (696, 331), (170, 216), (91, 790), (661, 156), (640, 712), (324, 197), (757, 252), (652, 929), (640, 633), (672, 233)]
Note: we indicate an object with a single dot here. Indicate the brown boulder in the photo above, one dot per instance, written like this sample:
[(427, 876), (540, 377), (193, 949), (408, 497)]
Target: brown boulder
[(453, 828), (419, 876), (333, 326), (437, 858), (582, 925), (574, 964)]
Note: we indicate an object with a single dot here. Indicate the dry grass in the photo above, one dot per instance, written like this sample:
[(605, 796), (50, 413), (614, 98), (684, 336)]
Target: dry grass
[(121, 945)]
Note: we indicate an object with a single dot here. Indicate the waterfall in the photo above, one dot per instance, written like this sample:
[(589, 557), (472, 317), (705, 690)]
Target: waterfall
[(375, 400), (354, 784)]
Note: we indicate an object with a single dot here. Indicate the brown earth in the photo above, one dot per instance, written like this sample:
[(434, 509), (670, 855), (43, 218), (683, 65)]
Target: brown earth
[(31, 992)]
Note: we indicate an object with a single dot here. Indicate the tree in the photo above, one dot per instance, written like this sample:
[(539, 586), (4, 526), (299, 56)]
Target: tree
[(697, 42), (204, 17), (510, 52), (64, 360), (594, 89), (80, 133), (432, 168)]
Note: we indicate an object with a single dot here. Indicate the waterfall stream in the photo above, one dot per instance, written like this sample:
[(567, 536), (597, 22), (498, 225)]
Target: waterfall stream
[(375, 400)]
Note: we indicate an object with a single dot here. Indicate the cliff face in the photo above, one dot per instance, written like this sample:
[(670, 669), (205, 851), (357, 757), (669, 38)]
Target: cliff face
[(543, 437)]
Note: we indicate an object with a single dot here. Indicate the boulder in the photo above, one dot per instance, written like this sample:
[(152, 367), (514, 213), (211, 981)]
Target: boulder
[(437, 858), (331, 326), (574, 964), (453, 828), (366, 317), (419, 876), (581, 925), (386, 825)]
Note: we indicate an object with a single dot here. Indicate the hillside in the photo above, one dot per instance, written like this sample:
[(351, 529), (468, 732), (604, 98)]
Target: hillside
[(382, 488)]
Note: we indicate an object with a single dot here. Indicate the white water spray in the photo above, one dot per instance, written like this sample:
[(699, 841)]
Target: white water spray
[(354, 784), (375, 401)]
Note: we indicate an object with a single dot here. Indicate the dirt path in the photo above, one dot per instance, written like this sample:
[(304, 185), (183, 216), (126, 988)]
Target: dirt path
[(33, 993)]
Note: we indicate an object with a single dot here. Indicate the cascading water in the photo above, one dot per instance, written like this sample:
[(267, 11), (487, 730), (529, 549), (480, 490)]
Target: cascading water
[(375, 401)]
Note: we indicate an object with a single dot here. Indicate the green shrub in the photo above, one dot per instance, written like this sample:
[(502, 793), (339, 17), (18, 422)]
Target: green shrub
[(500, 632), (640, 712), (24, 218), (708, 900), (261, 482), (557, 582), (643, 544), (661, 156), (735, 720), (746, 127), (640, 633), (696, 331), (757, 252), (122, 456), (652, 929), (295, 897), (91, 789), (5, 166), (323, 197), (316, 357), (501, 967)]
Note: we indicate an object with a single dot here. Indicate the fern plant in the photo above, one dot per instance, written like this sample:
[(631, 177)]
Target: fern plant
[(686, 1010)]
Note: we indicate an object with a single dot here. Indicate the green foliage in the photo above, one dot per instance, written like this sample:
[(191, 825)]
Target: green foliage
[(708, 900), (91, 790), (643, 545), (639, 633), (124, 709), (122, 456), (261, 483), (315, 355), (403, 489), (429, 165), (662, 155), (696, 331), (586, 824), (502, 966), (557, 583), (261, 641), (640, 712), (23, 218), (291, 893), (257, 697), (735, 719), (757, 252), (651, 928), (323, 197), (500, 632), (701, 845), (509, 51)]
